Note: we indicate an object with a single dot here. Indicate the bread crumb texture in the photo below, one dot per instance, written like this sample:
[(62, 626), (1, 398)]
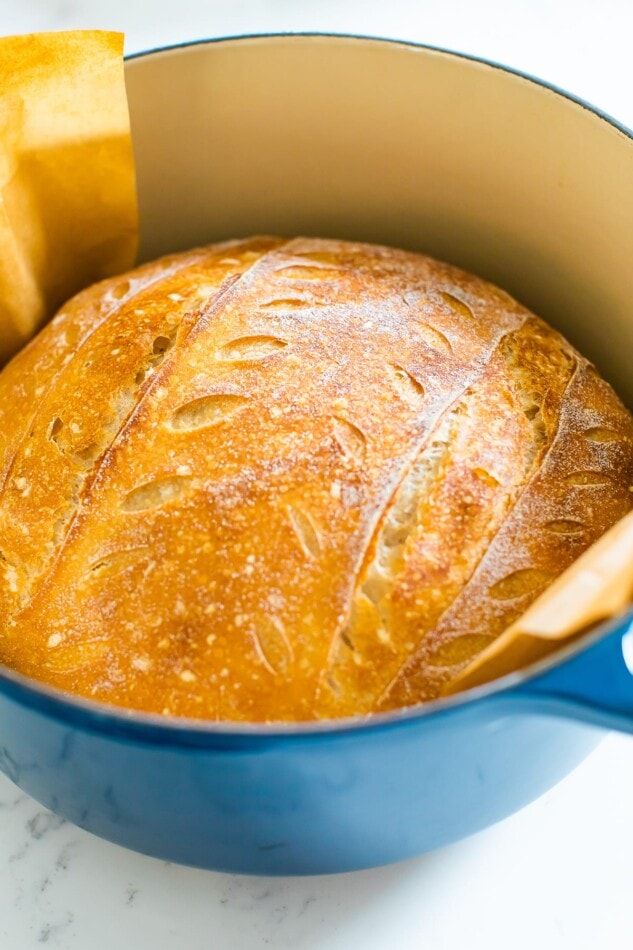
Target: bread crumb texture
[(290, 480)]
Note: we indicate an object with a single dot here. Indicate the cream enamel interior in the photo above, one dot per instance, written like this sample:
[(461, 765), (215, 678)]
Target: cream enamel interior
[(401, 145)]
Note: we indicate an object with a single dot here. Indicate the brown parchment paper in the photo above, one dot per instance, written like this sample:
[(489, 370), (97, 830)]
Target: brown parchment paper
[(68, 210), (597, 586)]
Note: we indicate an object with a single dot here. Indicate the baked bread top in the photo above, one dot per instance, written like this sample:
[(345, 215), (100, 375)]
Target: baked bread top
[(291, 479)]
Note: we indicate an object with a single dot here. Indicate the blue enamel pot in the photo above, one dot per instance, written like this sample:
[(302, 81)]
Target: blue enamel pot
[(419, 148)]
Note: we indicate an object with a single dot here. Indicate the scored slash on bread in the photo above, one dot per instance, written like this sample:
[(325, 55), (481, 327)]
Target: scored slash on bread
[(286, 480)]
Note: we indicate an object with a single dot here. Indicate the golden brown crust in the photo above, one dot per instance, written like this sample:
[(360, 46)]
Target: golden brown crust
[(292, 479)]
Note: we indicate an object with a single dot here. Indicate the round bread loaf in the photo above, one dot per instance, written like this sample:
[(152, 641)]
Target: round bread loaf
[(286, 480)]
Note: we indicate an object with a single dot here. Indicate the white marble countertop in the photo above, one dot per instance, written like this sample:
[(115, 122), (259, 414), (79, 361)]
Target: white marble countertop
[(558, 875)]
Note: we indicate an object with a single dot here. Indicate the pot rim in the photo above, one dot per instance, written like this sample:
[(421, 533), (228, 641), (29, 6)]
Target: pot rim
[(392, 41)]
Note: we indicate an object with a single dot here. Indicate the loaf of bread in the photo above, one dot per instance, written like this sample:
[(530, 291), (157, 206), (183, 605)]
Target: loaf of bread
[(291, 479)]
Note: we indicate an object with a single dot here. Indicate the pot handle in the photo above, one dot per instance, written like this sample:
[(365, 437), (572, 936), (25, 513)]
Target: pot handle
[(594, 685)]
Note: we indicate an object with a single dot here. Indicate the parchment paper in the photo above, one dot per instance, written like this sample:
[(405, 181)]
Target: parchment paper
[(68, 210)]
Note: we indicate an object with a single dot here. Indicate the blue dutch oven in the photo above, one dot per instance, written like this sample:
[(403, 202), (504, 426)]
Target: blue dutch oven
[(419, 148)]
